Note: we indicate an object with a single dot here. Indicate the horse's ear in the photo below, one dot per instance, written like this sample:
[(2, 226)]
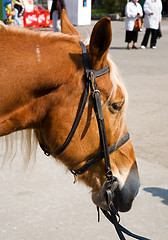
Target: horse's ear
[(66, 26), (100, 40)]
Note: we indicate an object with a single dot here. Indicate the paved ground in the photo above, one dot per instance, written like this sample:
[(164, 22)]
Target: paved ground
[(42, 203)]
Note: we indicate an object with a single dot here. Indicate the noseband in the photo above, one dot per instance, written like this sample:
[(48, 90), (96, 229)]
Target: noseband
[(111, 181)]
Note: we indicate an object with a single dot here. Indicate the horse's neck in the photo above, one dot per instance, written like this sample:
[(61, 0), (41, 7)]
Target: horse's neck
[(30, 67)]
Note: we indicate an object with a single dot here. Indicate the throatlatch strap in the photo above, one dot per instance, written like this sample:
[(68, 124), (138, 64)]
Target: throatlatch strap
[(76, 123), (79, 115)]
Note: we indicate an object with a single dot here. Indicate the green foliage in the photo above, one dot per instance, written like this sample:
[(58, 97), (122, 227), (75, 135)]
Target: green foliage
[(114, 6), (1, 10), (110, 6), (99, 11)]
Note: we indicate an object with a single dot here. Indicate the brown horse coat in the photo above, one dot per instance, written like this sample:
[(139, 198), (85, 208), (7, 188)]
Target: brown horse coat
[(41, 86)]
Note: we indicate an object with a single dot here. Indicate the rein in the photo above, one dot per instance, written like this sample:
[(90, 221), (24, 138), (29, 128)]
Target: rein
[(111, 182)]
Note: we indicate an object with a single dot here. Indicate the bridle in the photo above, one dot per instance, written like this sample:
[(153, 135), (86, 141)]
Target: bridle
[(111, 182)]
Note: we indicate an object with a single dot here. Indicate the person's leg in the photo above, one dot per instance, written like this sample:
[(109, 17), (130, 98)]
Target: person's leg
[(128, 38), (134, 39), (55, 20), (16, 18), (146, 37), (59, 25), (153, 38)]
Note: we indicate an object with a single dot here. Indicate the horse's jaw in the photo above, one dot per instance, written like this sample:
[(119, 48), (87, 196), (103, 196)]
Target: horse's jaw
[(123, 194)]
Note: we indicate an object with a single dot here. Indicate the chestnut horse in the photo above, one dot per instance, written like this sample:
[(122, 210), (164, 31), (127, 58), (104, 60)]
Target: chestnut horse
[(42, 84)]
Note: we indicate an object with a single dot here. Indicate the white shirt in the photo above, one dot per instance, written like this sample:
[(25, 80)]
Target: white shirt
[(155, 7), (131, 11)]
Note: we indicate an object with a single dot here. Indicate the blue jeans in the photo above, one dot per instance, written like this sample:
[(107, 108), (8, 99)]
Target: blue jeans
[(16, 18), (5, 3), (56, 22)]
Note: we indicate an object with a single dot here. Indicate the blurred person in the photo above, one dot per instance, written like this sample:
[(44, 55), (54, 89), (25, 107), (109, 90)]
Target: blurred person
[(19, 11), (152, 19), (5, 3), (55, 15), (133, 10)]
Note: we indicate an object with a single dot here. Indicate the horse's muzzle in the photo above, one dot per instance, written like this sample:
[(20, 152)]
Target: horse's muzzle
[(115, 199)]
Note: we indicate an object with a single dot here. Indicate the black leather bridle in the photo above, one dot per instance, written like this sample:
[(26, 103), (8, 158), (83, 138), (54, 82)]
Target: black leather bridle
[(111, 181)]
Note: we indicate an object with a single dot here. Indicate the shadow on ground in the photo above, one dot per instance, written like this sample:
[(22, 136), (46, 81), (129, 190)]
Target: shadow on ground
[(158, 192)]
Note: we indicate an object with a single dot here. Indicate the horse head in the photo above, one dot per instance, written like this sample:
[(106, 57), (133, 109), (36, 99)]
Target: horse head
[(53, 97), (114, 97)]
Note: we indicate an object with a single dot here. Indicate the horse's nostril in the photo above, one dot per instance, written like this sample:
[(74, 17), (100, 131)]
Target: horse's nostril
[(123, 201), (125, 208)]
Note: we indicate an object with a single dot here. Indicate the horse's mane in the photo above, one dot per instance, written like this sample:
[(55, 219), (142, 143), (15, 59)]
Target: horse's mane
[(48, 36), (117, 80), (23, 141), (26, 138)]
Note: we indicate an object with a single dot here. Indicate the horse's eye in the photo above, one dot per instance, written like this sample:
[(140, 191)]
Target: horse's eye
[(115, 107)]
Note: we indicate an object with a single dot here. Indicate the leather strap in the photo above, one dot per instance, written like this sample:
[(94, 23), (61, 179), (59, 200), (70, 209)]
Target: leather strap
[(86, 92), (90, 82), (100, 156), (75, 124), (119, 228)]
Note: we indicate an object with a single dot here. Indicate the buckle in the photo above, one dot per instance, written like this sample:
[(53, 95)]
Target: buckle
[(75, 176)]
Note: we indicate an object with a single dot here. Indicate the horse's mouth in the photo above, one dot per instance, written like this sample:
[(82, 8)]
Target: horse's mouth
[(118, 202), (122, 199)]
